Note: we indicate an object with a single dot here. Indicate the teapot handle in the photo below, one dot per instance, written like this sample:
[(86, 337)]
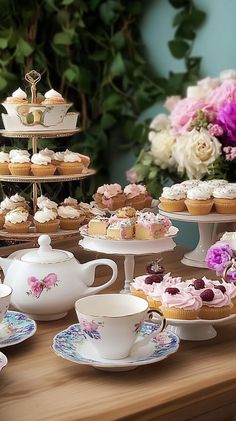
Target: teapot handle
[(92, 266)]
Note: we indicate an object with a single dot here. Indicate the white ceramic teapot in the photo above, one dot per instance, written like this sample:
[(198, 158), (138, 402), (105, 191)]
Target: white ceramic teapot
[(46, 282)]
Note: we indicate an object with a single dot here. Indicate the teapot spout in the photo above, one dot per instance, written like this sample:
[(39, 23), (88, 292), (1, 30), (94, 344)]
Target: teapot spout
[(4, 264)]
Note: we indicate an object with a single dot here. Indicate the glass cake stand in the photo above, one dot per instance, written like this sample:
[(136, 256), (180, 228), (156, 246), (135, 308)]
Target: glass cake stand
[(128, 248), (207, 233)]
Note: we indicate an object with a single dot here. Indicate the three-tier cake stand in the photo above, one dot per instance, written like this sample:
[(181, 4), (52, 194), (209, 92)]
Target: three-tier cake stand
[(33, 77)]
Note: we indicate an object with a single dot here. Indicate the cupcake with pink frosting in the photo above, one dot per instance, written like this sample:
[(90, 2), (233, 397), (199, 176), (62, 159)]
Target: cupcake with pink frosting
[(177, 303), (142, 286), (136, 196), (216, 303), (110, 196)]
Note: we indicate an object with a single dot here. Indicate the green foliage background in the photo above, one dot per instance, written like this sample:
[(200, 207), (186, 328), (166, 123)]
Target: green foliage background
[(92, 52)]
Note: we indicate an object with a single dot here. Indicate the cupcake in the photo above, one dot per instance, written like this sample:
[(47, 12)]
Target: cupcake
[(47, 152), (150, 226), (18, 97), (199, 201), (70, 201), (19, 201), (45, 220), (173, 198), (121, 230), (16, 221), (189, 184), (142, 286), (135, 196), (225, 199), (180, 304), (85, 160), (70, 217), (57, 159), (41, 165), (90, 211), (216, 303), (72, 164), (110, 196), (2, 218), (4, 161), (19, 162), (44, 202), (53, 97), (7, 204), (215, 183)]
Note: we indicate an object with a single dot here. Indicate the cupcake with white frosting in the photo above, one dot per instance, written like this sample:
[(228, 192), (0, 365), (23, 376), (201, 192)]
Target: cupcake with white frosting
[(173, 198), (53, 97), (4, 162), (57, 159), (19, 162), (72, 164), (16, 220), (225, 198), (70, 201), (41, 165), (199, 201), (19, 201), (44, 202), (189, 184), (18, 97), (71, 218), (45, 220)]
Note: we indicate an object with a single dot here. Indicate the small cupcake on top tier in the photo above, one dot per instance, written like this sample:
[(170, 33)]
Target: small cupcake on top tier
[(45, 220), (180, 304), (71, 218), (53, 97), (216, 303), (150, 226), (136, 196), (4, 162), (225, 198), (17, 97), (110, 196), (41, 165), (72, 164), (16, 220), (199, 201), (19, 162), (173, 198)]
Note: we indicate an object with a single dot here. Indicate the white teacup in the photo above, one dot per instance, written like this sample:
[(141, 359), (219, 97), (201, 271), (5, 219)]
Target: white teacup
[(5, 297), (111, 322)]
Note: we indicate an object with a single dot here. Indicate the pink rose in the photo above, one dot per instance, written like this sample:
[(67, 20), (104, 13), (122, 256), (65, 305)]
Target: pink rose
[(131, 175), (224, 94), (37, 288), (171, 102), (184, 112), (86, 325), (50, 280)]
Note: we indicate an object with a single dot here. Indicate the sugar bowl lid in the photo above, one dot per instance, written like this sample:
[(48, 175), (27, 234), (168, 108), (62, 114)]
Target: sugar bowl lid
[(45, 253)]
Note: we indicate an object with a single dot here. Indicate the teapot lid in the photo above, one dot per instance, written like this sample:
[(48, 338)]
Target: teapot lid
[(45, 253)]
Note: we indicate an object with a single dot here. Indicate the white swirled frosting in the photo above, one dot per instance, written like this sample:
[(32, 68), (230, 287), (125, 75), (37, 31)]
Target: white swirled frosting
[(45, 215), (19, 94), (70, 156), (4, 157), (69, 212), (19, 156), (225, 192), (39, 159), (176, 192), (44, 202), (16, 216), (198, 193), (52, 94)]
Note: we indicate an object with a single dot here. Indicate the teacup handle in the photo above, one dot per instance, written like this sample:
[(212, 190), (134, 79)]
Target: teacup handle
[(140, 341)]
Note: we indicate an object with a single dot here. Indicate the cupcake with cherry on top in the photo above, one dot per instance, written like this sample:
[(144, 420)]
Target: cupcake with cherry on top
[(216, 303), (177, 303), (142, 285)]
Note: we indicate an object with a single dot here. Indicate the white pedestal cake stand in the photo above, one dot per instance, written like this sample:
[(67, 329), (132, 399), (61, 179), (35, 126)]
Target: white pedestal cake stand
[(195, 330), (129, 249), (207, 233)]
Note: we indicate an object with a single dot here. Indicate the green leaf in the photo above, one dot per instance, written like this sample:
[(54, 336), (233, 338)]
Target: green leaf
[(117, 66), (99, 55), (107, 121), (118, 40), (3, 43), (179, 18), (107, 13), (62, 38), (178, 48), (112, 102), (3, 83), (67, 2), (24, 48), (196, 18), (72, 74), (185, 30)]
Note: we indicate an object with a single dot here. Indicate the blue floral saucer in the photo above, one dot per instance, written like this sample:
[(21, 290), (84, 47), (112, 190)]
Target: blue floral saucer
[(16, 327), (3, 360), (73, 345)]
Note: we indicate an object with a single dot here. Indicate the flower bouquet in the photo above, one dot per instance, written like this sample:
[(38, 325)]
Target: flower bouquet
[(197, 140), (221, 257)]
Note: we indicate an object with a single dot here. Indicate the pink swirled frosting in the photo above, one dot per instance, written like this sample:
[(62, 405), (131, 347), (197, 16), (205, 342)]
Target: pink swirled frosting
[(182, 300), (109, 190), (139, 284), (133, 190), (230, 289), (220, 299)]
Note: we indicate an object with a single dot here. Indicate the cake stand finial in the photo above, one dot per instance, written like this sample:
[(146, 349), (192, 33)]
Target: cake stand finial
[(33, 77)]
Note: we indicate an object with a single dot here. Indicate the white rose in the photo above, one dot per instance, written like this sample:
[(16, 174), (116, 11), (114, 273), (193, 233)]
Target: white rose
[(196, 92), (207, 85), (161, 149), (159, 123), (228, 74), (195, 151)]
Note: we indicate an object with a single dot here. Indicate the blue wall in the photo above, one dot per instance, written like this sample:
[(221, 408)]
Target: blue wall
[(215, 43)]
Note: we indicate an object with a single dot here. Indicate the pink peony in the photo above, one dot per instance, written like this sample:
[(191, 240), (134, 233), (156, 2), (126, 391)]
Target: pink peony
[(171, 102), (37, 288), (184, 112), (224, 94), (132, 175)]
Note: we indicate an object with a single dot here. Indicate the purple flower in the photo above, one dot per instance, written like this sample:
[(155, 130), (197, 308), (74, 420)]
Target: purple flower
[(231, 274), (218, 256), (215, 130), (226, 119)]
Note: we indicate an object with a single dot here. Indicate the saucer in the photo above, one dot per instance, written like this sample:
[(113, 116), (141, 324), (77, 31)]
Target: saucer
[(3, 360), (72, 345), (16, 327)]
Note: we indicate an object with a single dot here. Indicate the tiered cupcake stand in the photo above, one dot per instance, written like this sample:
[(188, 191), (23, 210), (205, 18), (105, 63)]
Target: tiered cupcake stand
[(36, 181), (129, 249), (207, 233)]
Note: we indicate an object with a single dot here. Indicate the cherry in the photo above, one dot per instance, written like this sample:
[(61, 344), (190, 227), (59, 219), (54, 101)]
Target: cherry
[(221, 287), (172, 290), (207, 295), (153, 279), (199, 284)]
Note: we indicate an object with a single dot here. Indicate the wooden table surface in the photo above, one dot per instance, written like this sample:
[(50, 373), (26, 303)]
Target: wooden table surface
[(197, 383)]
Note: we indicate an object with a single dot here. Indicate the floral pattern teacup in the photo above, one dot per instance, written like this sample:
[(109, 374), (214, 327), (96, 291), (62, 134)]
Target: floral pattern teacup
[(5, 297)]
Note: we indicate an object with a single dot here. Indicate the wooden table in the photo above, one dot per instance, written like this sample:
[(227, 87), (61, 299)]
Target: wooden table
[(197, 383)]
